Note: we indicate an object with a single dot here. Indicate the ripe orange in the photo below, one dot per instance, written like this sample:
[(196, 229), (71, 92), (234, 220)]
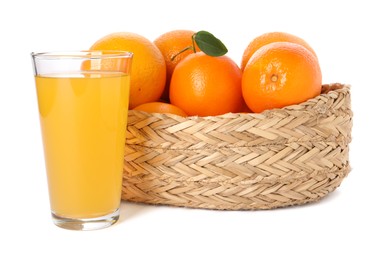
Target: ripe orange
[(170, 44), (280, 74), (160, 107), (270, 37), (148, 72), (206, 86)]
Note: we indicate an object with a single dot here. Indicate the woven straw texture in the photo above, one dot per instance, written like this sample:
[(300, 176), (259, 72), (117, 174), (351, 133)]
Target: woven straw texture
[(277, 158)]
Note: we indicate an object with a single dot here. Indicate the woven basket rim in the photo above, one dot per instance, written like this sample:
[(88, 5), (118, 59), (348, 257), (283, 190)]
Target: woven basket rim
[(330, 90)]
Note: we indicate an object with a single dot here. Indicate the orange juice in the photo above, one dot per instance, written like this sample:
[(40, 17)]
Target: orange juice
[(83, 120)]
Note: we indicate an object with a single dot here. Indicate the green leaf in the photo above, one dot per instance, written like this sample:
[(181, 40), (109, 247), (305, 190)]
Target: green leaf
[(209, 44)]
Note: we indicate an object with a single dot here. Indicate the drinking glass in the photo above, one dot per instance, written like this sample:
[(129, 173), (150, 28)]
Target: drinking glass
[(83, 100)]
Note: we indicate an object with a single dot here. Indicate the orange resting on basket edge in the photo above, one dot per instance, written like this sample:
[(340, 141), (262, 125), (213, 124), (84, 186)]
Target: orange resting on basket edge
[(191, 71)]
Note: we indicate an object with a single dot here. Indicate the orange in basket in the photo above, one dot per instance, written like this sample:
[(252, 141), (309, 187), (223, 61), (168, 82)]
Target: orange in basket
[(271, 37), (170, 45), (207, 86), (160, 107), (148, 73), (280, 74)]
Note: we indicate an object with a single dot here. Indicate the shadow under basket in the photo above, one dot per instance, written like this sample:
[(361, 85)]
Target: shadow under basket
[(245, 161)]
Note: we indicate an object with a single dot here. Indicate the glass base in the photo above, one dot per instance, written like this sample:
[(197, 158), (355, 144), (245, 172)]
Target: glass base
[(88, 223)]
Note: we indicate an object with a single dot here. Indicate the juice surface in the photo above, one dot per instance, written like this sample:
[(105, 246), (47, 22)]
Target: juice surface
[(83, 120)]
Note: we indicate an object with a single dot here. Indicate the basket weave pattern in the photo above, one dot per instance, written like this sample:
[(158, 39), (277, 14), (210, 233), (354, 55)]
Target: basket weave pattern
[(277, 158)]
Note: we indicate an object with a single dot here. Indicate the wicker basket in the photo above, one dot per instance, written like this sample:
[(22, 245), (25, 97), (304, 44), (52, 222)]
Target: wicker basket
[(277, 158)]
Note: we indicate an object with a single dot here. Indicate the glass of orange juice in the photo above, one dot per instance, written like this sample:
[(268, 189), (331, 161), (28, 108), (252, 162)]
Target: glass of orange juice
[(83, 100)]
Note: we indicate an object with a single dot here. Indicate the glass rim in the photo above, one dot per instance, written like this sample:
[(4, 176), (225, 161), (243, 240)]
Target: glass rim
[(86, 54)]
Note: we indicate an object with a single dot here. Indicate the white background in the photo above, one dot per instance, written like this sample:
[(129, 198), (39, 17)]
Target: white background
[(347, 36)]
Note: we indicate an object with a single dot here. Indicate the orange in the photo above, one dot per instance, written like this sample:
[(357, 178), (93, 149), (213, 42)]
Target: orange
[(148, 72), (270, 37), (206, 86), (170, 44), (160, 107), (280, 74)]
